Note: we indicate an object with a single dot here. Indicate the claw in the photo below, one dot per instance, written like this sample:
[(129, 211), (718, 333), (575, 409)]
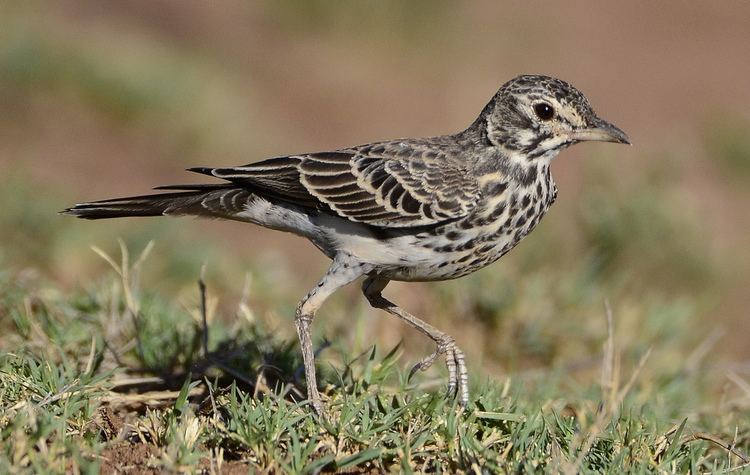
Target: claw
[(413, 371), (450, 361), (457, 375), (462, 377), (317, 406), (424, 363)]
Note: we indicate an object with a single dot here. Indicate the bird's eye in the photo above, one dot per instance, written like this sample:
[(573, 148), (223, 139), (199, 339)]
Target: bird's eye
[(544, 111)]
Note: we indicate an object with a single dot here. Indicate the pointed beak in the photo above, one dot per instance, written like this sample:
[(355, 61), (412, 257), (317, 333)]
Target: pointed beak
[(601, 131)]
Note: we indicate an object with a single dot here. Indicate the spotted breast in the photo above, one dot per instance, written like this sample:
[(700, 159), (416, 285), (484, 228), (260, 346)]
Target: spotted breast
[(508, 210)]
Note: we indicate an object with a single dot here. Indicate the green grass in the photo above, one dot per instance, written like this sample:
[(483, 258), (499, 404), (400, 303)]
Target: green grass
[(89, 376)]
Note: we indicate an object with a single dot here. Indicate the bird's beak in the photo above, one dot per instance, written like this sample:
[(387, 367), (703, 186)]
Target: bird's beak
[(601, 131)]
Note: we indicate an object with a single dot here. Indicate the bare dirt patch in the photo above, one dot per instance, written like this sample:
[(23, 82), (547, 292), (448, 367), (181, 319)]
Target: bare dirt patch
[(129, 458)]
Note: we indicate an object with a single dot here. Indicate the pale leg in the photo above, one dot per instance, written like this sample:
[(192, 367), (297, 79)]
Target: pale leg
[(344, 270)]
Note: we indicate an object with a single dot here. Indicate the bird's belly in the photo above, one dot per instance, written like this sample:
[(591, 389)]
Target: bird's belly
[(442, 252), (433, 256), (450, 263)]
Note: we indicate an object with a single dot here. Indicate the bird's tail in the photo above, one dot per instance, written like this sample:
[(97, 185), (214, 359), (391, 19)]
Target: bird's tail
[(192, 200)]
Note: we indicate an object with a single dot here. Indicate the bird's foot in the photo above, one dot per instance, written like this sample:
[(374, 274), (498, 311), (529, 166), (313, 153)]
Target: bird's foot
[(314, 399), (458, 380), (317, 405)]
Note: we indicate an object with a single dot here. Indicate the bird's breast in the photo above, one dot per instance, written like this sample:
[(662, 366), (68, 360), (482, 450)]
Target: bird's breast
[(504, 216)]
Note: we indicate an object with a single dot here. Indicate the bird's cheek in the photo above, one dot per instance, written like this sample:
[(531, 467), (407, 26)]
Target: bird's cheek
[(527, 137), (560, 130), (555, 142)]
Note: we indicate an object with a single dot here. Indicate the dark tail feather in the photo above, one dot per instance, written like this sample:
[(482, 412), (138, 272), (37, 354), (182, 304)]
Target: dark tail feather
[(185, 202)]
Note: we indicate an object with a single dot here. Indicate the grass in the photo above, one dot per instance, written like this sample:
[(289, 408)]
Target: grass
[(113, 378)]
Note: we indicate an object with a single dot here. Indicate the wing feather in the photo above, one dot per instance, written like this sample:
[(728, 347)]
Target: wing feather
[(390, 184)]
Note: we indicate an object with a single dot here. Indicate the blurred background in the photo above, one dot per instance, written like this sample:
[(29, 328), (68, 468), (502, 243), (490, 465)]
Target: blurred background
[(106, 99)]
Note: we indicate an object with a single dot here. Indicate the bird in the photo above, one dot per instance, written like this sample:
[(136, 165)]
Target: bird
[(411, 209)]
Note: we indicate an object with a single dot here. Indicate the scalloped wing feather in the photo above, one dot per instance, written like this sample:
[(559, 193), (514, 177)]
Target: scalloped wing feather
[(380, 187)]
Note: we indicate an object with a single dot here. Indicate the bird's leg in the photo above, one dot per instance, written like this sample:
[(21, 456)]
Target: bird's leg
[(343, 270), (457, 375)]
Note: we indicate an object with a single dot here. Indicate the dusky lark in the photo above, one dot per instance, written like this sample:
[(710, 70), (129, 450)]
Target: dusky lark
[(423, 209)]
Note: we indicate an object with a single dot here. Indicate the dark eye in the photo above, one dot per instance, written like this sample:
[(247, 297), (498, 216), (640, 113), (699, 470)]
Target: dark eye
[(544, 111)]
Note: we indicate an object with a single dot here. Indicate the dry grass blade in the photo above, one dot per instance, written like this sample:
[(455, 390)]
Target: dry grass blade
[(142, 257), (663, 443), (634, 377), (718, 441), (204, 312), (64, 392), (136, 381), (609, 406), (92, 354), (693, 361), (151, 398), (609, 370), (741, 383), (108, 259)]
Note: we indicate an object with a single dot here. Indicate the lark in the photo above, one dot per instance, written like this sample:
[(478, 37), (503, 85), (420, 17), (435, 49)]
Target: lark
[(425, 209)]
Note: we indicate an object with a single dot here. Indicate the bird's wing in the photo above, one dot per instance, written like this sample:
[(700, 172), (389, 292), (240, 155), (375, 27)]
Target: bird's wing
[(393, 185)]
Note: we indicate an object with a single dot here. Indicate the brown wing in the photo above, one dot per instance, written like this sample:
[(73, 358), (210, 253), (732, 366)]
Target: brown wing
[(381, 185)]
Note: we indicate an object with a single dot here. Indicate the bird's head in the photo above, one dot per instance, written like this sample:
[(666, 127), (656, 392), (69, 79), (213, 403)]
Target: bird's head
[(537, 116)]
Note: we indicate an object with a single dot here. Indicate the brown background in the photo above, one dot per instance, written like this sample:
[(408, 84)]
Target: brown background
[(111, 98)]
